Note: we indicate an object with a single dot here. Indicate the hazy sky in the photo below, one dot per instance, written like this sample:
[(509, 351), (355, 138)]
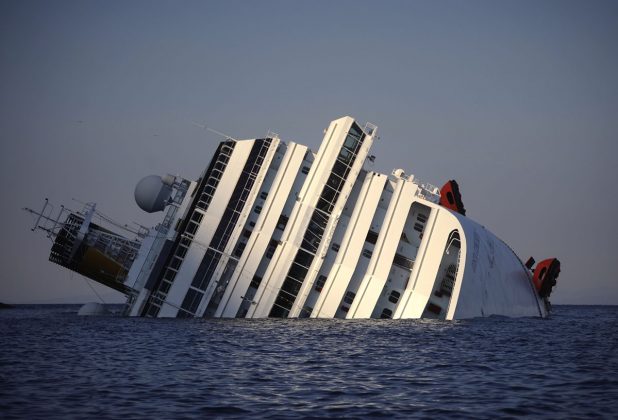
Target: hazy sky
[(517, 100)]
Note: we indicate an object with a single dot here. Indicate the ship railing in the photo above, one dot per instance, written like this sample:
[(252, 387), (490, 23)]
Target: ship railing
[(427, 192), (122, 250), (172, 210), (370, 129), (250, 182), (46, 222)]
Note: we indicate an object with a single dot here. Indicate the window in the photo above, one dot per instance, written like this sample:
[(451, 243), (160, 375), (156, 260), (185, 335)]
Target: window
[(252, 223), (305, 170), (298, 272), (270, 251), (386, 314), (176, 263), (192, 228), (263, 195), (165, 286), (169, 275), (310, 242), (329, 194), (350, 142), (432, 307), (303, 258), (335, 247), (372, 237), (421, 218), (325, 206), (255, 282), (282, 222), (349, 297), (394, 296), (345, 156), (418, 227), (209, 190), (290, 289), (246, 233), (367, 253), (319, 283), (258, 209), (334, 182), (341, 169), (192, 300), (239, 249), (181, 251), (403, 262)]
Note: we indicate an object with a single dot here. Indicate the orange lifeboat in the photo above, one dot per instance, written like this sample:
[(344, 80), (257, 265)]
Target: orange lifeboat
[(545, 276), (450, 197)]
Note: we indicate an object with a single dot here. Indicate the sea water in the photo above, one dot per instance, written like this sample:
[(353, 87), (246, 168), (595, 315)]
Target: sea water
[(56, 365)]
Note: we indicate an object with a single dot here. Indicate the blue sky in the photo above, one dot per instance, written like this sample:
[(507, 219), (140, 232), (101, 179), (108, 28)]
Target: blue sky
[(516, 100)]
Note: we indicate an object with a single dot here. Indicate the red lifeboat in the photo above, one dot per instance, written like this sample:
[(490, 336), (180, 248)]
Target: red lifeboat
[(545, 275), (450, 197)]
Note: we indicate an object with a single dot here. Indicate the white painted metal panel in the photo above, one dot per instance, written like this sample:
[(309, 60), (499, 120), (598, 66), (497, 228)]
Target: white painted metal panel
[(264, 229), (414, 300), (299, 219), (206, 230), (239, 226), (351, 246), (384, 251), (331, 227), (494, 281)]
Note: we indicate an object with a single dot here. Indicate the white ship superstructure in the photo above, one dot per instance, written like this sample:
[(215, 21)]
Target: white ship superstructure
[(272, 229)]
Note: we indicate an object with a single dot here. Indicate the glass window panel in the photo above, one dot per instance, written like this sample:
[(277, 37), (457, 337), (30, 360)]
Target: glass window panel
[(335, 182), (325, 206), (298, 272), (351, 142), (355, 130), (319, 219), (341, 169), (329, 194), (319, 283), (304, 258), (345, 156), (291, 288)]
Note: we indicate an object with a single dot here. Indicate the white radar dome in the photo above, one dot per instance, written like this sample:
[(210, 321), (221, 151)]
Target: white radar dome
[(151, 194)]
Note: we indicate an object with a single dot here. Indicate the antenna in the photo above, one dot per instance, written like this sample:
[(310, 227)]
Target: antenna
[(44, 220), (205, 127)]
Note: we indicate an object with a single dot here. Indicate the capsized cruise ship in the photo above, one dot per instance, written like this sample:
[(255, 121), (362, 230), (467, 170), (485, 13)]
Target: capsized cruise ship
[(273, 229)]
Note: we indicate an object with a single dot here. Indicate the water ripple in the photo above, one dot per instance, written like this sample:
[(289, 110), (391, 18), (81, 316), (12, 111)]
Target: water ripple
[(54, 364)]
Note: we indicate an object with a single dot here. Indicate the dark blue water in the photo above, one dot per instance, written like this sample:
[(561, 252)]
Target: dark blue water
[(54, 364)]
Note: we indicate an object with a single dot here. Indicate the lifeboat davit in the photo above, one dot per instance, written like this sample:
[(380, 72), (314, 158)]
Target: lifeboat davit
[(545, 276)]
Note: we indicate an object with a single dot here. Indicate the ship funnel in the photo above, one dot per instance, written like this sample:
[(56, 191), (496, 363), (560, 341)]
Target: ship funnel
[(152, 193)]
